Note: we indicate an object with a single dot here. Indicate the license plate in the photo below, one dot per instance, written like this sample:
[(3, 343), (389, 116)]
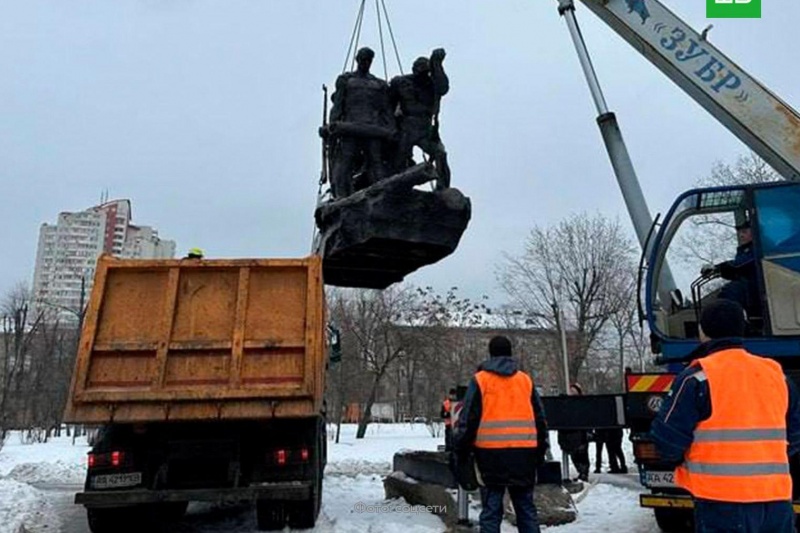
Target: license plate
[(113, 481), (659, 479)]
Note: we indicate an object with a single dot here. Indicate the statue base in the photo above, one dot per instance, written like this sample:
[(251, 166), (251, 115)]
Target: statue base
[(380, 234)]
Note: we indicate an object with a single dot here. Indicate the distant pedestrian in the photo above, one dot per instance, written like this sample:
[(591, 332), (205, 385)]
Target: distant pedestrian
[(503, 422), (447, 416), (616, 457), (599, 442), (194, 253), (575, 442)]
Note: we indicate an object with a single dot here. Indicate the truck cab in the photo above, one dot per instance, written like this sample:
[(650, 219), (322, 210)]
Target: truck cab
[(740, 243), (703, 232)]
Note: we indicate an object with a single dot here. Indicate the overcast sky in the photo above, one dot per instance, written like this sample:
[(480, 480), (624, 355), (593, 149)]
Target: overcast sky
[(205, 114)]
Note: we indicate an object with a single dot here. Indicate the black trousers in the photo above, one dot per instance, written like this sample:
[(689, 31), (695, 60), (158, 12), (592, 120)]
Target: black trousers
[(616, 457), (580, 458)]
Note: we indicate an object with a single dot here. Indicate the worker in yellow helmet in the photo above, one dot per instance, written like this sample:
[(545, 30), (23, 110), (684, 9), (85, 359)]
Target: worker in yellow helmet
[(194, 253)]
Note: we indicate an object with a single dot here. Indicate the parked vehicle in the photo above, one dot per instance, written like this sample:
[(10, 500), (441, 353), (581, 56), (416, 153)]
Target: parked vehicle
[(207, 379)]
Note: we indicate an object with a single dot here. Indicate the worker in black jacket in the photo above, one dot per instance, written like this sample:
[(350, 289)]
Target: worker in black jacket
[(503, 422)]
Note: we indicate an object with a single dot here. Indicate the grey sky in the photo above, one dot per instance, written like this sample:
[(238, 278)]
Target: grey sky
[(204, 114)]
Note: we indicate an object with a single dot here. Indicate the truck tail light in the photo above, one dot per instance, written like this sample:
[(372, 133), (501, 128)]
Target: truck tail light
[(116, 458), (280, 457), (304, 454), (645, 451)]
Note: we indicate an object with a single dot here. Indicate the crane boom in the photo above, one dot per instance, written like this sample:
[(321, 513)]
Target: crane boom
[(759, 118)]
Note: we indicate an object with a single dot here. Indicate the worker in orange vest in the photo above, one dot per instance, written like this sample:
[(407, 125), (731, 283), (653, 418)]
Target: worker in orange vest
[(731, 421), (447, 416), (503, 423)]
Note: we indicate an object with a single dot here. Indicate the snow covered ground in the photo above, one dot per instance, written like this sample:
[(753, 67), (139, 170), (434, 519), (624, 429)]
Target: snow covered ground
[(37, 481)]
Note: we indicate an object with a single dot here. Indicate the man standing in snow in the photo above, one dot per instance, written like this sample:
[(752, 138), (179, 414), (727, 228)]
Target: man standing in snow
[(726, 423), (503, 422), (447, 415)]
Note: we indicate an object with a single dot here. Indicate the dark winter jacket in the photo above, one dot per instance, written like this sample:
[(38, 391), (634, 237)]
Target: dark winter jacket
[(689, 403), (572, 440), (510, 466)]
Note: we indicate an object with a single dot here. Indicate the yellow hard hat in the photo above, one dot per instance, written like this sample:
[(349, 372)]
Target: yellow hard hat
[(195, 253)]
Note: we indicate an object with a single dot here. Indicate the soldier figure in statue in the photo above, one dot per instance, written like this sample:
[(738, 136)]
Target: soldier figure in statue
[(361, 124), (418, 96)]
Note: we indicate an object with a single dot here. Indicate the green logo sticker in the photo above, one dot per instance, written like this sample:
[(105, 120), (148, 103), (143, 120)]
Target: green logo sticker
[(737, 9)]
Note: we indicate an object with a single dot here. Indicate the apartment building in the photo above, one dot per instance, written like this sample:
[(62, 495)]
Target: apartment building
[(68, 251)]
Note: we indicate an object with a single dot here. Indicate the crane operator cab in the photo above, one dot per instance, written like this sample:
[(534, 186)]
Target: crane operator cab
[(740, 243)]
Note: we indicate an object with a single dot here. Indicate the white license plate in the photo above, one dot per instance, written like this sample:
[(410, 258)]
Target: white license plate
[(113, 481), (659, 479)]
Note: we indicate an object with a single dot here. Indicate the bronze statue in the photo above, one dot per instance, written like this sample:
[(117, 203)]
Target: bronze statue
[(418, 96), (361, 123), (380, 226)]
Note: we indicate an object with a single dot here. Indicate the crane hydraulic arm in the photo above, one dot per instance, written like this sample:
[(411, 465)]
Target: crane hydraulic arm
[(761, 120)]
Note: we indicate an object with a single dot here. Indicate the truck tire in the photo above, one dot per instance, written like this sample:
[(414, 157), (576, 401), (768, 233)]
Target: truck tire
[(303, 514), (674, 520), (270, 515)]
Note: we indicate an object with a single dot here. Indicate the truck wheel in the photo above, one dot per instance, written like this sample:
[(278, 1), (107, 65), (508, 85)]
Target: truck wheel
[(270, 515), (303, 514), (674, 520)]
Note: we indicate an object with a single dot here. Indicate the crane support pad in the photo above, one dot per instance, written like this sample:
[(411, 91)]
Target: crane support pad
[(585, 412)]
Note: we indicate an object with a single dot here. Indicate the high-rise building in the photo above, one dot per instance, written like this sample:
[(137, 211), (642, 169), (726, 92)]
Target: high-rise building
[(68, 251)]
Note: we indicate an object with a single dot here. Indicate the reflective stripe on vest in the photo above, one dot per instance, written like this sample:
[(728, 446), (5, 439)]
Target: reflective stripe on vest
[(507, 418), (739, 453)]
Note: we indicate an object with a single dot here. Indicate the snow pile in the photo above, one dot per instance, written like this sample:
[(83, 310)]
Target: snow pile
[(56, 461), (608, 508), (355, 505), (24, 509), (374, 453), (57, 472)]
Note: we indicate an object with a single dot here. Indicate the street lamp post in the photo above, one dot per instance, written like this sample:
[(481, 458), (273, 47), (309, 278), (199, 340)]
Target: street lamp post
[(559, 315)]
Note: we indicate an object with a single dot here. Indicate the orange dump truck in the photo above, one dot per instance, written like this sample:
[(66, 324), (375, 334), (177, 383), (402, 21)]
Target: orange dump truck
[(206, 378)]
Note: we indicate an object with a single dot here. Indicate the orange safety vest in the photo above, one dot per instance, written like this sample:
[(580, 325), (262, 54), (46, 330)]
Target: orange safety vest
[(507, 418), (448, 420), (739, 453)]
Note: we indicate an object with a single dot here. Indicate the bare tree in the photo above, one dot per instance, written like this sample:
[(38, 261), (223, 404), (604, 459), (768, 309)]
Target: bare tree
[(347, 379), (708, 238), (445, 352), (624, 342), (18, 331), (572, 266), (747, 170), (371, 317)]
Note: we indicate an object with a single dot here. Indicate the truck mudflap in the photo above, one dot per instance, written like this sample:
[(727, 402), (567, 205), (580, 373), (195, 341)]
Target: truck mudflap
[(677, 501), (298, 490)]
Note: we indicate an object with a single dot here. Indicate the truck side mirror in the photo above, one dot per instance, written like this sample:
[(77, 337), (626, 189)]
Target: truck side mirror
[(334, 344)]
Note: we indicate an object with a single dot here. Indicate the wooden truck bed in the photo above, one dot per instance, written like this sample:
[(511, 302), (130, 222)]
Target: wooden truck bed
[(201, 339)]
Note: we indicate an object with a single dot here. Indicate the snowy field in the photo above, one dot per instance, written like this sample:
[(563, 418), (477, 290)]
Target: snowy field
[(37, 482)]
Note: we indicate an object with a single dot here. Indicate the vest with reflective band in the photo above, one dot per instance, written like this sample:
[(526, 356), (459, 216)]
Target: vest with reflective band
[(739, 453), (507, 419), (448, 421)]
